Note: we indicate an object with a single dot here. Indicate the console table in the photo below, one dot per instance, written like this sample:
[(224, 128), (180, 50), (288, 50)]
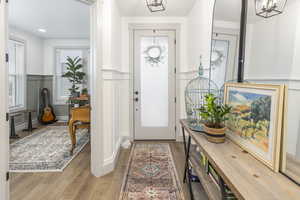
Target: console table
[(245, 176)]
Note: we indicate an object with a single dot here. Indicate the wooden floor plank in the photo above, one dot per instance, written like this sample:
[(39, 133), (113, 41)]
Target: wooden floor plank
[(77, 183)]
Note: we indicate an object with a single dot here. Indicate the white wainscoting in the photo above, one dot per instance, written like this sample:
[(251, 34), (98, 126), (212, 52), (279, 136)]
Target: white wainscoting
[(293, 110), (114, 115)]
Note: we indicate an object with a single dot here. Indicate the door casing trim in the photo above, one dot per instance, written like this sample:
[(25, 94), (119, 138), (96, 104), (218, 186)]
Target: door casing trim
[(150, 26)]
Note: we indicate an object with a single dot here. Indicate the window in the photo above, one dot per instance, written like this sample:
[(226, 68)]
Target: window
[(17, 75), (62, 85)]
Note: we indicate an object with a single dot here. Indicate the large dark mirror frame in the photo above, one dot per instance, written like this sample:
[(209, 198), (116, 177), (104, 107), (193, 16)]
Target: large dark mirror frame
[(250, 48), (226, 48)]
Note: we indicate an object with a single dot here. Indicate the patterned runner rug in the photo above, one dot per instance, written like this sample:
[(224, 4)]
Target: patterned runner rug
[(46, 150), (151, 174)]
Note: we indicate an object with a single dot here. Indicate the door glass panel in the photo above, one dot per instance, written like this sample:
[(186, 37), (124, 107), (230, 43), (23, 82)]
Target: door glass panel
[(154, 82), (219, 61)]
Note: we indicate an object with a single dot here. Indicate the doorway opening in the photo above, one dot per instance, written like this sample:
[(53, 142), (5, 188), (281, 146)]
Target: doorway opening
[(154, 84), (49, 85)]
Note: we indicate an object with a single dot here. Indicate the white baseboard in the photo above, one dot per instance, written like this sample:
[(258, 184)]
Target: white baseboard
[(179, 138), (62, 118), (22, 126), (110, 163)]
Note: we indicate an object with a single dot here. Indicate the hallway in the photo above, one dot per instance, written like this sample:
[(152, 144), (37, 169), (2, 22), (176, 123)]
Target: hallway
[(77, 182)]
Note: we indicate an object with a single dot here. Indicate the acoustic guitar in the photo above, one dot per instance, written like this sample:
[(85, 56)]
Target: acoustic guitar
[(47, 115)]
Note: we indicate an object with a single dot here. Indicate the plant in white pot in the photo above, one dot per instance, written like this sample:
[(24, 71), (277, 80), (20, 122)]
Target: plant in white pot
[(214, 115)]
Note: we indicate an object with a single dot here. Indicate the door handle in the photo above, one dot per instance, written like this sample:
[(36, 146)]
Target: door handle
[(136, 99), (136, 92)]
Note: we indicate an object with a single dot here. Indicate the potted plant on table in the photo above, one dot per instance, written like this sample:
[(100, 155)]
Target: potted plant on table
[(214, 115)]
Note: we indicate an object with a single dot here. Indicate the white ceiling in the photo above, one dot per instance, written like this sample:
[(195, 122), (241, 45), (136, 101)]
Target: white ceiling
[(228, 10), (61, 18), (139, 8)]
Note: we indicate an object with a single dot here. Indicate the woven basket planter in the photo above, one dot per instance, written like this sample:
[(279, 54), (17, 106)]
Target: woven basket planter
[(215, 135)]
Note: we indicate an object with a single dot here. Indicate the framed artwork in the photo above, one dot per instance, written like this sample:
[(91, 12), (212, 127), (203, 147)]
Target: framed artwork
[(256, 120)]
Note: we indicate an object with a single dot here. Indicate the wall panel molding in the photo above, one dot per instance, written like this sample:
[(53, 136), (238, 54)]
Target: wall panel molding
[(113, 74), (187, 75), (293, 83)]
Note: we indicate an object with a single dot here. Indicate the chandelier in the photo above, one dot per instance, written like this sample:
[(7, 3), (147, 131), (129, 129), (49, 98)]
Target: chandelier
[(156, 5), (269, 8)]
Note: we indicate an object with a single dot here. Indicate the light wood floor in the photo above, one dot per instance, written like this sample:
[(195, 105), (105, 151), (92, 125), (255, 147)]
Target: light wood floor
[(77, 182)]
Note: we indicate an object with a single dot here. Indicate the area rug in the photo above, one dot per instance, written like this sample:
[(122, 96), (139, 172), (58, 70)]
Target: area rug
[(151, 174), (46, 150)]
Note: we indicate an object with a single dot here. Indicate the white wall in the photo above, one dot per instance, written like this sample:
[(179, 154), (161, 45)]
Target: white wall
[(49, 51), (198, 42), (127, 21), (272, 51), (112, 82), (199, 33), (34, 50)]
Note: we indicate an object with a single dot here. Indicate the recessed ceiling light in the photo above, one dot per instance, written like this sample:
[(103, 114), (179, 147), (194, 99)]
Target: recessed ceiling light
[(42, 30)]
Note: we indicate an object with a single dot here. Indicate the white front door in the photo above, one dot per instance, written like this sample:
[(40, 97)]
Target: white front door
[(154, 85), (4, 136)]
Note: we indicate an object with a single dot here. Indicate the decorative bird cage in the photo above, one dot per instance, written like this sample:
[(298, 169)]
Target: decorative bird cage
[(195, 93)]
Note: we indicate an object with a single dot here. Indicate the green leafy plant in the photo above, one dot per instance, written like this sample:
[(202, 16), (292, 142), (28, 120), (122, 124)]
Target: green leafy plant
[(214, 113), (74, 74), (84, 91)]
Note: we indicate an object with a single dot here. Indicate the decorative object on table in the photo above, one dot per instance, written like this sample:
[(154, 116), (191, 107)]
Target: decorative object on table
[(151, 174), (46, 150), (257, 119), (156, 5), (214, 115), (200, 68), (269, 8), (47, 115), (195, 91), (75, 75), (84, 92), (192, 176)]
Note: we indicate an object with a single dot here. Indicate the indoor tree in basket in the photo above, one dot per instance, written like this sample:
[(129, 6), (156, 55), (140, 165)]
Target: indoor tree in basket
[(74, 74), (214, 116)]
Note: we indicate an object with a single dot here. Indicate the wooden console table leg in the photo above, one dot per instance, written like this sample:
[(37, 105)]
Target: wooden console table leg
[(72, 136)]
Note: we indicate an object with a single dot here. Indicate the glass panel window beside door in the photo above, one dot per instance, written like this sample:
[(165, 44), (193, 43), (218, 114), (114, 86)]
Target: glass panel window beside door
[(17, 75)]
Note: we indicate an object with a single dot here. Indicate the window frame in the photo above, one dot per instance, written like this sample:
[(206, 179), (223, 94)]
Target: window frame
[(62, 100), (23, 107)]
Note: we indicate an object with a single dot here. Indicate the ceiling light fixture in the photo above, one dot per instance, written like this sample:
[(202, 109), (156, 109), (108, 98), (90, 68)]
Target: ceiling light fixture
[(42, 30), (88, 2), (156, 5), (269, 8)]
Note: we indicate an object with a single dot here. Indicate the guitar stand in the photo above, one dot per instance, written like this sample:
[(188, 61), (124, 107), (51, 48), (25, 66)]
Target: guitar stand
[(29, 126)]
